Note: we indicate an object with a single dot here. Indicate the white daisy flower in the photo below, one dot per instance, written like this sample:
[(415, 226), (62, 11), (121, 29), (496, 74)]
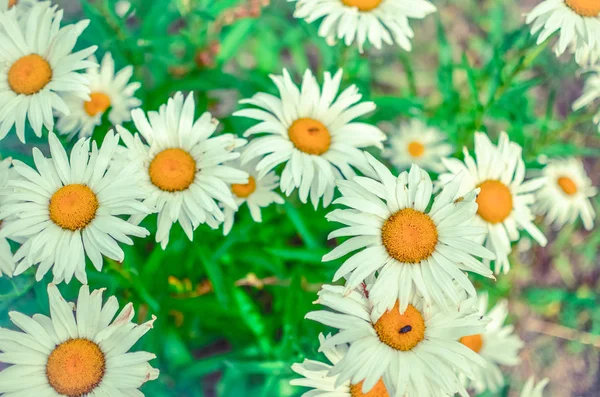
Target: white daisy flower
[(591, 93), (78, 351), (577, 20), (257, 193), (108, 90), (566, 194), (416, 353), (412, 248), (37, 66), (311, 131), (531, 389), (7, 262), (182, 166), (69, 208), (375, 21), (505, 201), (316, 376), (416, 143), (498, 345)]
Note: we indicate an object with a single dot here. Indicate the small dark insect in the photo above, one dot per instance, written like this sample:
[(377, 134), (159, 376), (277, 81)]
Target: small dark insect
[(405, 329)]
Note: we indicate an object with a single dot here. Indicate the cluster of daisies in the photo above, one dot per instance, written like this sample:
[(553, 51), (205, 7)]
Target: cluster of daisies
[(410, 321)]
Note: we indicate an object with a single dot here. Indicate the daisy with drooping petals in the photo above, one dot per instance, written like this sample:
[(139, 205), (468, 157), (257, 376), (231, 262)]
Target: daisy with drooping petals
[(84, 353), (505, 201), (577, 20), (412, 248), (108, 90), (591, 92), (257, 193), (313, 132), (416, 143), (415, 353), (182, 166), (37, 66), (498, 345), (7, 262), (531, 389), (566, 194), (375, 21), (69, 208)]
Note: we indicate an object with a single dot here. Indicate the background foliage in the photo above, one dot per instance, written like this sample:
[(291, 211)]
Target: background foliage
[(230, 310)]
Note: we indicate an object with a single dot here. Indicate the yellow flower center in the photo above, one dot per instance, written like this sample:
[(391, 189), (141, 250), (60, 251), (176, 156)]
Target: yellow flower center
[(401, 331), (172, 170), (243, 190), (29, 74), (409, 236), (495, 201), (585, 8), (12, 3), (567, 185), (73, 207), (98, 103), (75, 367), (378, 390), (416, 149), (473, 342), (310, 136), (363, 5)]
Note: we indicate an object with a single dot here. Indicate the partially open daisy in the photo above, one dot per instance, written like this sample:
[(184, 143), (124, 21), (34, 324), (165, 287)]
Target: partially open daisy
[(416, 143), (37, 67), (69, 208), (591, 92), (577, 20), (257, 193), (505, 201), (75, 354), (566, 194), (375, 21), (313, 132), (415, 353), (182, 166), (531, 389), (7, 262), (413, 246), (316, 376), (498, 345), (110, 91)]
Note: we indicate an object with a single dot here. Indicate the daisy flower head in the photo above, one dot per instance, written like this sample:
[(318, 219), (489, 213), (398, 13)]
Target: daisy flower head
[(37, 67), (532, 389), (497, 345), (311, 130), (181, 164), (414, 244), (505, 200), (578, 22), (68, 208), (75, 352), (591, 92), (256, 193), (416, 143), (566, 194), (7, 262), (415, 353), (375, 21), (109, 90)]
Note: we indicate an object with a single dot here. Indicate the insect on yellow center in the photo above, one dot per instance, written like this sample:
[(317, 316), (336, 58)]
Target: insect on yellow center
[(585, 8), (363, 5), (98, 103), (409, 236), (378, 390), (473, 342), (567, 185), (75, 367), (73, 207), (172, 170), (243, 190), (29, 74), (495, 201), (310, 136), (401, 331), (416, 149)]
